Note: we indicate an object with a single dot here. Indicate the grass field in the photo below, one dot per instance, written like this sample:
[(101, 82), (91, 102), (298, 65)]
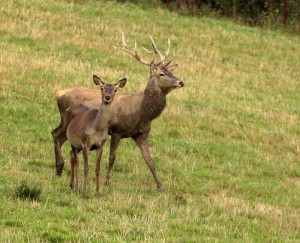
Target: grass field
[(227, 147)]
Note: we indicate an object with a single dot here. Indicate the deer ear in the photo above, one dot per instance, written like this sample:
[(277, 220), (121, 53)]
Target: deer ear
[(121, 83), (152, 67), (97, 80), (172, 67)]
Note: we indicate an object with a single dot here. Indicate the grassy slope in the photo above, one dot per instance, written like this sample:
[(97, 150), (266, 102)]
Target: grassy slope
[(226, 148)]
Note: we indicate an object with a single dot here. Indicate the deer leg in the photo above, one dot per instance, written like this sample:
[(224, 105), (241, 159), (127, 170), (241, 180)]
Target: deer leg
[(76, 165), (76, 170), (141, 141), (72, 162), (59, 137), (114, 143), (97, 170), (85, 170)]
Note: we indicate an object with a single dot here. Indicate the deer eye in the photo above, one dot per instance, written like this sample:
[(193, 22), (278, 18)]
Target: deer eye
[(162, 74)]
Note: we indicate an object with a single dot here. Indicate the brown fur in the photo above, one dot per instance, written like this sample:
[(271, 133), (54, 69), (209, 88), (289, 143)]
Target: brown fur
[(87, 129), (132, 114)]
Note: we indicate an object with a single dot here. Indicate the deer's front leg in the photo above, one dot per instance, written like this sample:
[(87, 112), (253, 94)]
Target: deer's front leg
[(141, 141), (114, 143), (97, 170), (85, 169), (72, 162), (74, 165), (76, 187)]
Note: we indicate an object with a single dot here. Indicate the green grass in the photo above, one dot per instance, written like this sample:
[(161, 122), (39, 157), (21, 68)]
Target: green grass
[(226, 148)]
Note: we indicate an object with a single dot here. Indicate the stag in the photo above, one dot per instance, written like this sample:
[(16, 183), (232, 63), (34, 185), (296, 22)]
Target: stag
[(87, 129), (133, 113)]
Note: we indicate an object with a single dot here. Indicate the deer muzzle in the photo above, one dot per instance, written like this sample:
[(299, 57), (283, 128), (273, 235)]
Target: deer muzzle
[(107, 98), (179, 84)]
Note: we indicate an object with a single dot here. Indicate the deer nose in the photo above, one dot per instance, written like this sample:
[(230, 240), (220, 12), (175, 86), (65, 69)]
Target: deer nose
[(107, 97), (181, 83)]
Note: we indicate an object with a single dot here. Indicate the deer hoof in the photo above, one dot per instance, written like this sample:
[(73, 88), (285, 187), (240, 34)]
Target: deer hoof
[(160, 189), (59, 167), (106, 182)]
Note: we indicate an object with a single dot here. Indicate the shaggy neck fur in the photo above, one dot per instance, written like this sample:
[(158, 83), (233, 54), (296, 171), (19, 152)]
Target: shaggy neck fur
[(153, 103)]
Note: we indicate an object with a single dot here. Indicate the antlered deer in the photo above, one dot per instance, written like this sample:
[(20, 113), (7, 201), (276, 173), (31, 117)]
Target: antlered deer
[(87, 129), (133, 113)]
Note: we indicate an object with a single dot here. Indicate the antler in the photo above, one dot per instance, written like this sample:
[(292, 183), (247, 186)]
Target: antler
[(134, 53), (156, 51)]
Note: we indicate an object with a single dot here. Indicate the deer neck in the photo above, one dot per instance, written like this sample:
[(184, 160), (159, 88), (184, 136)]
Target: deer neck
[(102, 117), (153, 103)]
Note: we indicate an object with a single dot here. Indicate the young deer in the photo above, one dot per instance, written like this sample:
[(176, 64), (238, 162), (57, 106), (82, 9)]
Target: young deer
[(132, 113), (87, 129)]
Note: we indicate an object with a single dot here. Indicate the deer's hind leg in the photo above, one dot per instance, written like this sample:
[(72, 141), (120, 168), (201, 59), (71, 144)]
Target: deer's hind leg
[(59, 135), (59, 138)]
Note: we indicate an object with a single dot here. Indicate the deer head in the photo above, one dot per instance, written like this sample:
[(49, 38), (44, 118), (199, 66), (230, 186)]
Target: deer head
[(163, 78), (160, 72), (108, 91)]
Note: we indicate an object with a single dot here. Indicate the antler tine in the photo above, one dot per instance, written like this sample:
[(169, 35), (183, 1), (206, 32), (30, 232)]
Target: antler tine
[(123, 39), (134, 53), (169, 62), (155, 49), (169, 48), (135, 47), (166, 55), (149, 52)]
